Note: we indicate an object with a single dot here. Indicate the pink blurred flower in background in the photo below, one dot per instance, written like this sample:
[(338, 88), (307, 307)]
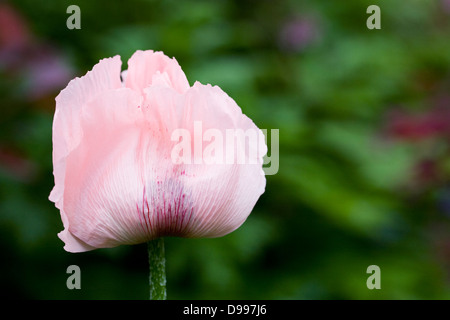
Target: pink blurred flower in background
[(298, 33), (14, 32), (16, 165), (445, 4), (115, 181), (428, 132), (430, 124), (39, 67)]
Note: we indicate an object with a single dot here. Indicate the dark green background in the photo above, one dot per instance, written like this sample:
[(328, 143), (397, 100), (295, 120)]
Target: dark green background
[(350, 191)]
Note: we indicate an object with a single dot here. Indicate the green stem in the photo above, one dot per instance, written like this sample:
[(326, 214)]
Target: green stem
[(157, 262)]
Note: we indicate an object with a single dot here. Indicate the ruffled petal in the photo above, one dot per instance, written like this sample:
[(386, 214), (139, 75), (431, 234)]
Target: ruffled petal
[(116, 178), (144, 66), (221, 191), (72, 243), (225, 190), (67, 130), (103, 174)]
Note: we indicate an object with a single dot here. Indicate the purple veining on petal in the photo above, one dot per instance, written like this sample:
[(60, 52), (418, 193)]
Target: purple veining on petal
[(165, 209)]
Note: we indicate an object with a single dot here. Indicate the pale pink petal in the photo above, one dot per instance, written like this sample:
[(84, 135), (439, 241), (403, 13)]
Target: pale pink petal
[(103, 174), (116, 181), (72, 243), (224, 194), (67, 130), (144, 65), (221, 195)]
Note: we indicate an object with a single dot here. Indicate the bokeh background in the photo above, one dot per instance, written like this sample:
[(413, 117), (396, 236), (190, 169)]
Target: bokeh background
[(364, 123)]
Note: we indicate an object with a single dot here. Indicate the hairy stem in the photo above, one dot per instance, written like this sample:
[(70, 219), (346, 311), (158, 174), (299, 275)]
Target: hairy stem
[(157, 262)]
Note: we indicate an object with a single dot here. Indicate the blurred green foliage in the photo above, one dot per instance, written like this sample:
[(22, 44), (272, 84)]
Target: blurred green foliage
[(354, 187)]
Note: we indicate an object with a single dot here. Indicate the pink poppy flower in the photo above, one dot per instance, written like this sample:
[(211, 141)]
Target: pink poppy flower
[(116, 181)]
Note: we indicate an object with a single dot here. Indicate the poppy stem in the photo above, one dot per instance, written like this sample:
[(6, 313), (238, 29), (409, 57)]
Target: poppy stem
[(157, 262)]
